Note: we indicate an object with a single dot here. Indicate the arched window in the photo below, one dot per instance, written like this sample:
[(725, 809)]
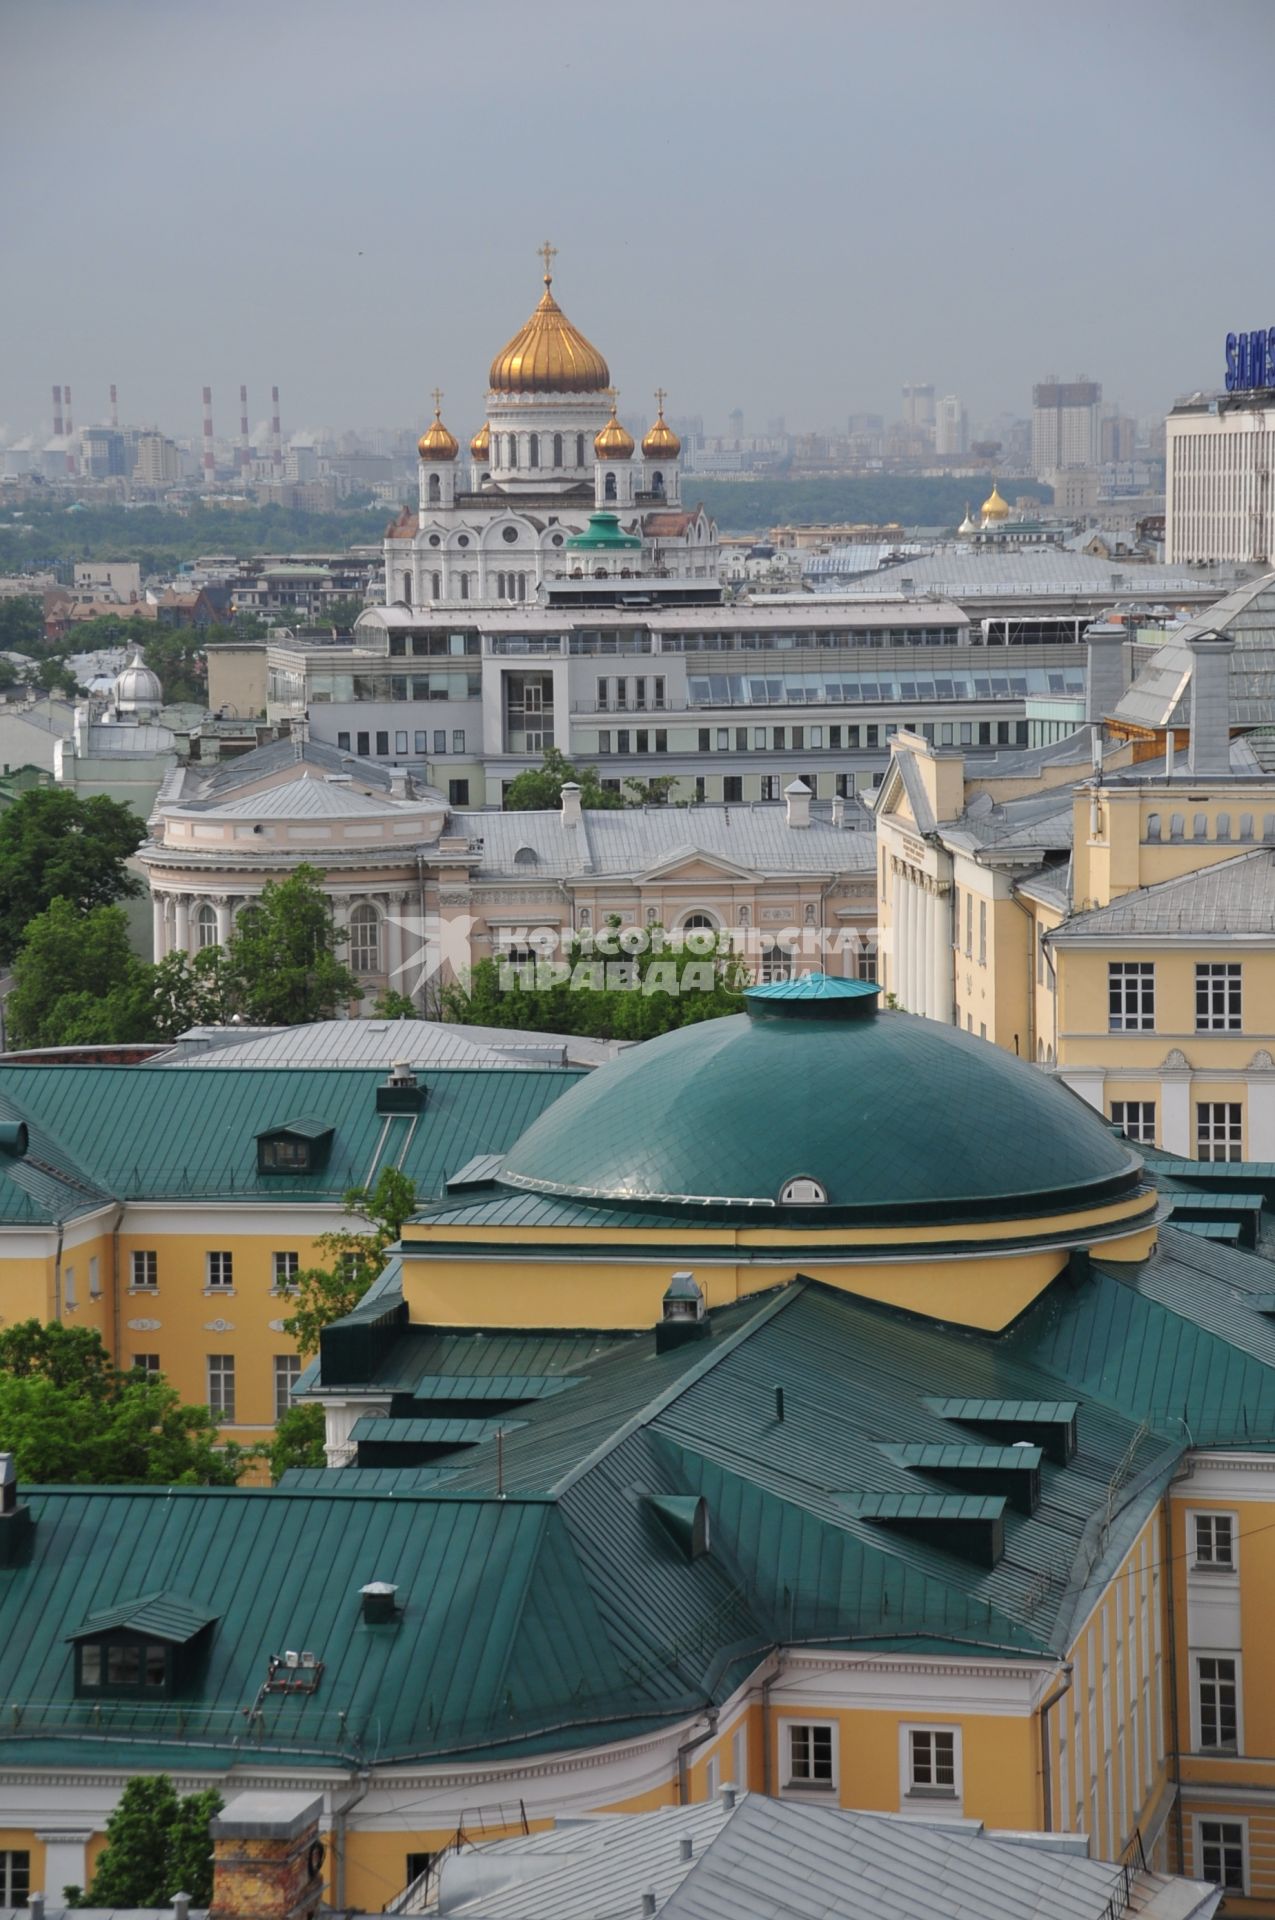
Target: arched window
[(513, 449), (1153, 826), (579, 449), (464, 586), (436, 582), (526, 857), (435, 487), (206, 926), (1224, 826), (533, 450), (406, 594), (657, 483), (1246, 826), (365, 940), (522, 586), (557, 449), (1177, 825), (699, 923), (1201, 827), (609, 488)]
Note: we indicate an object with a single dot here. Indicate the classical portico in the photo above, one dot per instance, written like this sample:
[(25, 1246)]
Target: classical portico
[(922, 930)]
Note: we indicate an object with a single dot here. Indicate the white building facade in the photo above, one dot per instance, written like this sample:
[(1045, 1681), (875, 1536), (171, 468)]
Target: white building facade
[(1220, 480)]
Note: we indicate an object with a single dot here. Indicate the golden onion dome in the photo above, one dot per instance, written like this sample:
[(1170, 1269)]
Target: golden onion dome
[(548, 354), (437, 443), (660, 442), (994, 508), (613, 442), (480, 445)]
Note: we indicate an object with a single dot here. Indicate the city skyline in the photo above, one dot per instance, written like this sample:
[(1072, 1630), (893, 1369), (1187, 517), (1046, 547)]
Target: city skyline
[(357, 272)]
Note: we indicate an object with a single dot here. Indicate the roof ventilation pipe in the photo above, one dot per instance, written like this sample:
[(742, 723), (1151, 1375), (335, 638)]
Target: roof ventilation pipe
[(686, 1847), (16, 1524), (35, 1906), (838, 812), (797, 794), (571, 814), (181, 1906), (1209, 751), (729, 1796), (648, 1903), (401, 1091), (379, 1599)]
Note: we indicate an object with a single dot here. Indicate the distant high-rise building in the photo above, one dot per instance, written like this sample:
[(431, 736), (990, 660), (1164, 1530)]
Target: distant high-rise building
[(918, 406), (737, 423), (951, 426), (103, 452), (1065, 424), (158, 461), (1118, 436)]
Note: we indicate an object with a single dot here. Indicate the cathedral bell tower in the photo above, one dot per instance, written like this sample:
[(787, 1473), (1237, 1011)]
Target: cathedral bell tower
[(613, 472)]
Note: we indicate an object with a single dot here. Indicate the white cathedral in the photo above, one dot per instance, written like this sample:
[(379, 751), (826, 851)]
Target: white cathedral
[(557, 502)]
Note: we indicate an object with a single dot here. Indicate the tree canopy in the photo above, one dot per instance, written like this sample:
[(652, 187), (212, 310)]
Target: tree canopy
[(354, 1259), (541, 787), (283, 968), (157, 1844), (70, 1417), (21, 624), (53, 845), (77, 981)]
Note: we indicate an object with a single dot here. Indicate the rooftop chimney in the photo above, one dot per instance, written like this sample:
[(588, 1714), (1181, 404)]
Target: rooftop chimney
[(1106, 678), (1209, 751), (380, 1608), (683, 1315), (268, 1858), (16, 1524), (57, 413), (401, 1092), (571, 814), (729, 1796), (797, 794), (838, 811), (686, 1847), (648, 1903)]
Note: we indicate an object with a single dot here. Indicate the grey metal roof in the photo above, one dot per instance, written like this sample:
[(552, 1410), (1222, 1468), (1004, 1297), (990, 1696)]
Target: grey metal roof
[(961, 573), (632, 840), (246, 768), (1159, 695), (370, 1043), (771, 1859), (307, 797), (1235, 896)]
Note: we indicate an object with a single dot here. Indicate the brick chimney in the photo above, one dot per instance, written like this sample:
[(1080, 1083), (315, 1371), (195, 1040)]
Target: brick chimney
[(267, 1858)]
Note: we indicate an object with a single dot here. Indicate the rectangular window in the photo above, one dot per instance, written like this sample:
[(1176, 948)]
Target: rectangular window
[(723, 739), (622, 738), (1222, 1854), (458, 739), (1219, 1130), (659, 693), (284, 1269), (982, 933), (68, 1286), (145, 1268), (420, 741), (1215, 1542), (770, 786), (1217, 997), (873, 736), (365, 744), (221, 1269), (602, 695), (732, 787), (15, 1877), (759, 738), (932, 1762), (661, 739), (95, 1280), (1217, 1694), (852, 736), (440, 739), (810, 1756), (780, 739), (604, 740), (969, 925), (1131, 996), (1136, 1119), (382, 742), (458, 793), (146, 1363), (287, 1371), (705, 740), (400, 743), (221, 1385), (343, 742)]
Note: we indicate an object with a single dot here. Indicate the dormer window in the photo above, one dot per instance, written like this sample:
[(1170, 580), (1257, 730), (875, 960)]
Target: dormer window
[(298, 1146), (143, 1649), (803, 1192)]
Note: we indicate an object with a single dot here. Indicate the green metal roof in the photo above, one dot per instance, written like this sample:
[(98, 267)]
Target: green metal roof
[(973, 1458), (434, 1433), (192, 1131), (602, 535), (1005, 1412), (308, 1127), (897, 1118), (925, 1506), (160, 1616), (811, 986)]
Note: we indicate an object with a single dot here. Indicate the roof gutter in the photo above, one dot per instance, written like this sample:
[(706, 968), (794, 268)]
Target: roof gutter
[(684, 1753)]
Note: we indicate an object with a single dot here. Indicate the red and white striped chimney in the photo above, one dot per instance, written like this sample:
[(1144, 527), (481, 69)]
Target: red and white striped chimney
[(210, 464), (244, 456), (71, 463), (115, 410), (276, 431), (57, 413)]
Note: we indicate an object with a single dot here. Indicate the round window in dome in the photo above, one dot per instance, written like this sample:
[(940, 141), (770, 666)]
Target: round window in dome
[(509, 533), (435, 540), (802, 1192)]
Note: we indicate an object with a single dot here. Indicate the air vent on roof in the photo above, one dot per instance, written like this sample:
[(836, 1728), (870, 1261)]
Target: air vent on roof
[(683, 1314), (13, 1138), (16, 1524), (1050, 1424), (402, 1092), (1013, 1471), (968, 1524), (380, 1603), (684, 1518)]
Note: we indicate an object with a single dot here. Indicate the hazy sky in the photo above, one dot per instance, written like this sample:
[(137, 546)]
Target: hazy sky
[(787, 208)]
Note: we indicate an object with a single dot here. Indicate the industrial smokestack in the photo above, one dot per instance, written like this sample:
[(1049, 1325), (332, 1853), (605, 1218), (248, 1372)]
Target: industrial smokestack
[(70, 429), (57, 413), (115, 411), (210, 464), (244, 456), (276, 431)]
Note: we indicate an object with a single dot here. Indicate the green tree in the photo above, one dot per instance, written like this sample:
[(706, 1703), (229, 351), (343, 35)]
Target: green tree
[(602, 991), (298, 1440), (282, 964), (71, 1417), (650, 793), (392, 1005), (157, 1844), (77, 982), (21, 624), (341, 614), (188, 993), (54, 676), (328, 1293), (53, 845), (538, 788)]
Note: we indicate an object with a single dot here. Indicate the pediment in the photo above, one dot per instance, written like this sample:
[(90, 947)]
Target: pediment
[(692, 863)]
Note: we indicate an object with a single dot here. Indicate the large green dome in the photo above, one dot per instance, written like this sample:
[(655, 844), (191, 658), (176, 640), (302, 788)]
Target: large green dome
[(895, 1118)]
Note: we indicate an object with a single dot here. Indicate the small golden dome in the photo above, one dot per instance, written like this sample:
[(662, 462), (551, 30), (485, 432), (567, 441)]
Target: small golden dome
[(436, 443), (660, 442), (549, 355), (613, 442), (480, 445), (994, 508)]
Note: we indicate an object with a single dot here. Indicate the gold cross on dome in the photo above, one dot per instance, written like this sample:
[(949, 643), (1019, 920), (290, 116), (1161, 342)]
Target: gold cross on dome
[(547, 254), (660, 397), (437, 397)]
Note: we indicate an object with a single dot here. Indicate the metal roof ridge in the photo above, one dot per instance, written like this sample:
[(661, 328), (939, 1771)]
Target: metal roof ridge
[(717, 1351)]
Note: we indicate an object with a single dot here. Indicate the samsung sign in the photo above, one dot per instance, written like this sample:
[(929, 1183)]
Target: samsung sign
[(1250, 360)]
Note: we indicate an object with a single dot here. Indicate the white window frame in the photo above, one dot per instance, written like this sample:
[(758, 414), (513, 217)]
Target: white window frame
[(712, 1777), (1197, 1743), (223, 1372), (219, 1270), (284, 1275), (1222, 1569), (739, 1755), (789, 1783), (141, 1364), (292, 1362), (7, 1856), (1221, 984), (1141, 1131), (1134, 979), (923, 1798), (1216, 1134), (95, 1278), (1240, 1820), (143, 1260)]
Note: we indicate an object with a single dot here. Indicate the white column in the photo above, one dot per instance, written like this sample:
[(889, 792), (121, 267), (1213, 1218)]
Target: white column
[(181, 939), (221, 906), (64, 1861), (393, 955), (1261, 1112), (159, 942), (1175, 1111), (1088, 1082), (902, 934)]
